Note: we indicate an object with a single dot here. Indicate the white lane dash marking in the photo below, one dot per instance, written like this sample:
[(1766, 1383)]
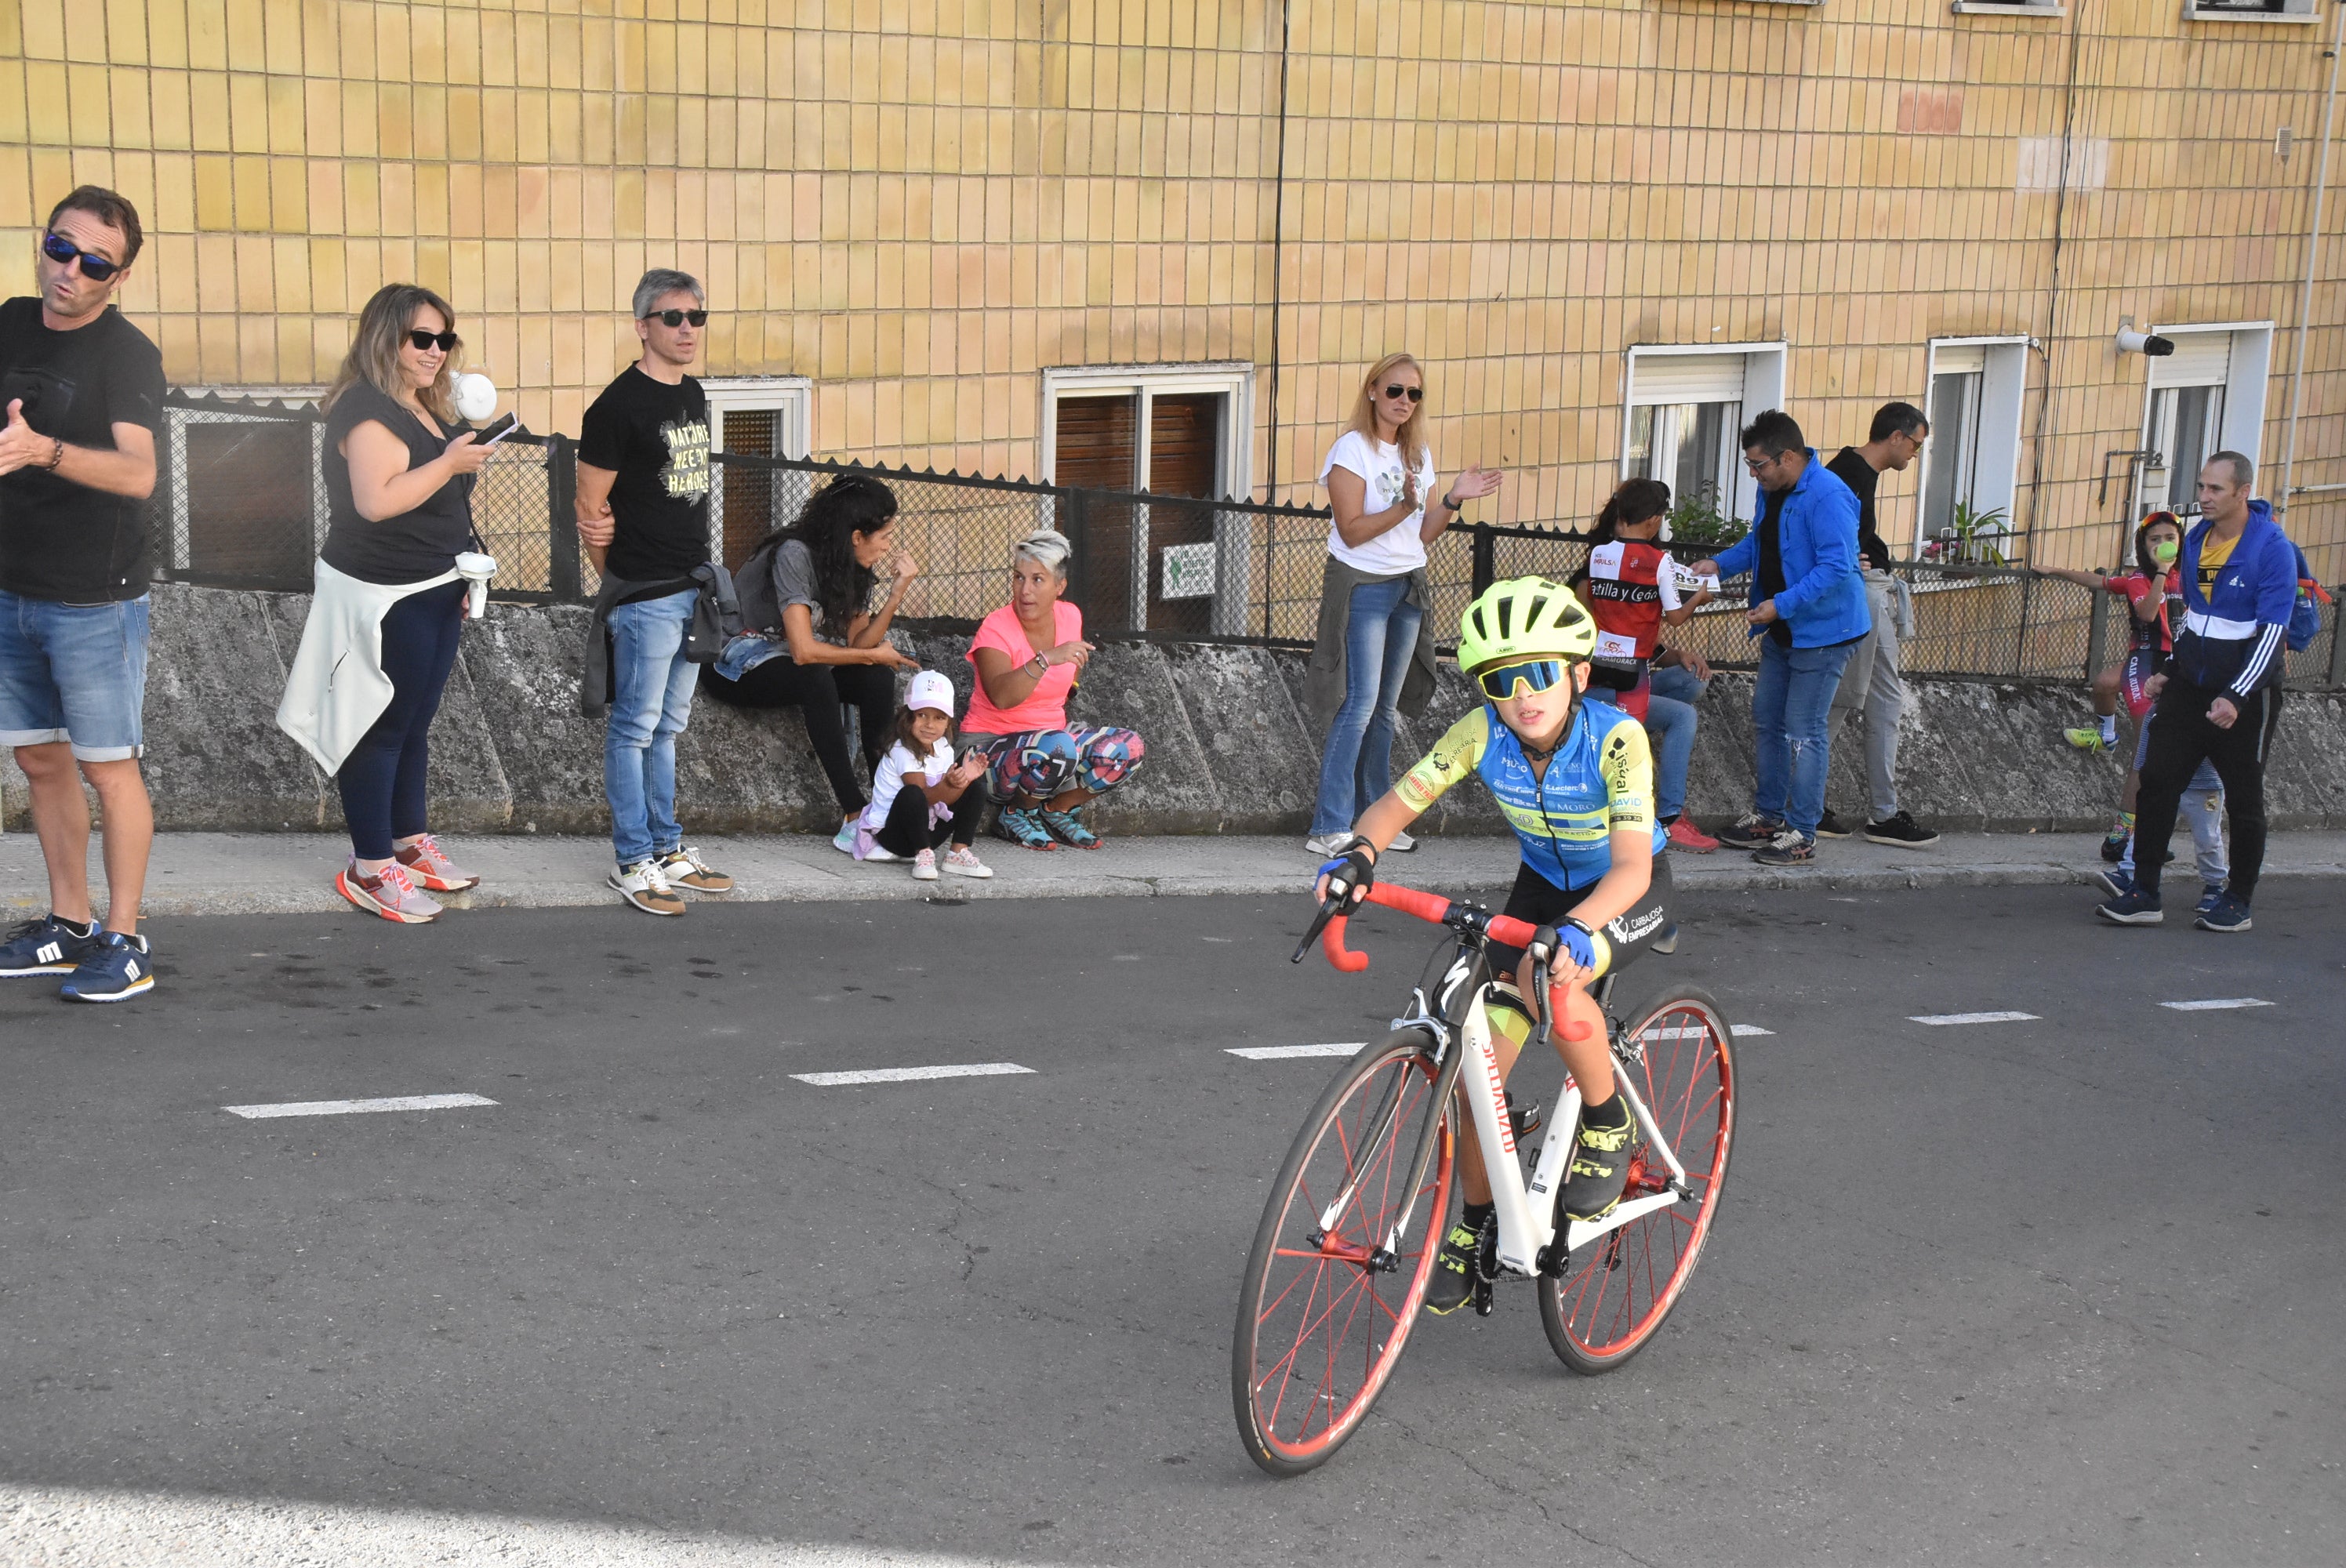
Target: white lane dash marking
[(1280, 1052), (1746, 1031), (1945, 1018), (354, 1108), (909, 1075), (2217, 1004)]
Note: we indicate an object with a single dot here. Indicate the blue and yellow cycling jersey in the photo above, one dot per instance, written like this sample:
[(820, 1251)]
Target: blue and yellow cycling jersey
[(1599, 781)]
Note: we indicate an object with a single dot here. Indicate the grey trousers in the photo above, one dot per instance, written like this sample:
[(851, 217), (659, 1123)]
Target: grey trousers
[(1871, 685)]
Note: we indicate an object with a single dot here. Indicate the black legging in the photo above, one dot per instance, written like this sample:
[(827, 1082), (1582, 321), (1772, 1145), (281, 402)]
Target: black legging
[(908, 831), (381, 779), (818, 692)]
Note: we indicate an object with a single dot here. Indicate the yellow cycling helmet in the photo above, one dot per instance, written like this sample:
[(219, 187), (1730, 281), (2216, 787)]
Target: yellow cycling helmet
[(1525, 618)]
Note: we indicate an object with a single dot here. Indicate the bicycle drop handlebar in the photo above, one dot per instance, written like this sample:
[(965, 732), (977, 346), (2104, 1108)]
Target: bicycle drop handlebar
[(1435, 909)]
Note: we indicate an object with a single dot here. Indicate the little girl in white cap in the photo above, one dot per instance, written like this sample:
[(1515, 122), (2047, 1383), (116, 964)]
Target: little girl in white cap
[(920, 796)]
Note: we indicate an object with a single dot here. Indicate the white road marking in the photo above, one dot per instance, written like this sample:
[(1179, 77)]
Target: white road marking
[(1280, 1052), (353, 1107), (1746, 1031), (2217, 1004), (1945, 1018), (909, 1075)]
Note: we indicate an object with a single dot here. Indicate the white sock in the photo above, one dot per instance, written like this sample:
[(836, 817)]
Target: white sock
[(2110, 727)]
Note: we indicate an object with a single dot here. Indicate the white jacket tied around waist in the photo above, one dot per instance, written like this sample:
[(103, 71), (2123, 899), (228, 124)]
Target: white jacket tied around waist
[(337, 689)]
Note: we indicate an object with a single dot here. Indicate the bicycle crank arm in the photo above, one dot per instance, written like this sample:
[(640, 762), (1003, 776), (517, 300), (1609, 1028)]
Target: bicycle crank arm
[(1581, 1232)]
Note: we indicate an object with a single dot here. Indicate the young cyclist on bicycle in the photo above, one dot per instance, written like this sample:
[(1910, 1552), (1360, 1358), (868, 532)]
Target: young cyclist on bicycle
[(1574, 778)]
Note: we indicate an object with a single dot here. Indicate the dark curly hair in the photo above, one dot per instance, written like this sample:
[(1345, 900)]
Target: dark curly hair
[(2142, 556), (850, 505), (1635, 501)]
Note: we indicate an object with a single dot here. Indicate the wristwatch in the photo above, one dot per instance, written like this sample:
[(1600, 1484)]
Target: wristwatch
[(1452, 502)]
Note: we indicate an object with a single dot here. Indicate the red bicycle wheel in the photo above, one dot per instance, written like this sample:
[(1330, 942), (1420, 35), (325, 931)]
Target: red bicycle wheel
[(1340, 1260), (1615, 1292)]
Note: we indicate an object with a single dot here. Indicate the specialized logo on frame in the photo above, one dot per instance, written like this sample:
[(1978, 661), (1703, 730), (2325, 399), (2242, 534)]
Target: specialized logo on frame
[(686, 473)]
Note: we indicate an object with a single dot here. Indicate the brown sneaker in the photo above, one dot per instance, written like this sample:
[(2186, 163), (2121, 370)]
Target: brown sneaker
[(428, 868), (643, 886), (684, 868)]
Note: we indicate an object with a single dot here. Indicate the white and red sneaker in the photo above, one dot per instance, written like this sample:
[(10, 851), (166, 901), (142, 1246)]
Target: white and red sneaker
[(389, 894), (427, 867)]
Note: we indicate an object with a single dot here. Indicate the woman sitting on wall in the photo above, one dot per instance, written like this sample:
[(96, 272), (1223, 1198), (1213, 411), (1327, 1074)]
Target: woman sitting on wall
[(818, 635), (1042, 770), (380, 639)]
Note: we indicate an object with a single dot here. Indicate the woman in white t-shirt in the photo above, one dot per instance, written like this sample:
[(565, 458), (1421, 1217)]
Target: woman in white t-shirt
[(1374, 599)]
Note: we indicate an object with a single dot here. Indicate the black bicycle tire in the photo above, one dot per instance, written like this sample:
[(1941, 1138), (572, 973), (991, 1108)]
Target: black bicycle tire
[(1245, 1329), (1551, 1290)]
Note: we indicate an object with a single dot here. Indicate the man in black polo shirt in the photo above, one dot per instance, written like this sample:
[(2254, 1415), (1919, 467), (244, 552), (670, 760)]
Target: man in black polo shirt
[(82, 390), (643, 515), (1871, 685)]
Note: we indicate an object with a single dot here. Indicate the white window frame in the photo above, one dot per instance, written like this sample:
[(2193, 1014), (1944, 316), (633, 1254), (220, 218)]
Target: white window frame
[(791, 397), (1996, 465), (1234, 465), (1763, 388), (2011, 8), (2301, 10), (2248, 371)]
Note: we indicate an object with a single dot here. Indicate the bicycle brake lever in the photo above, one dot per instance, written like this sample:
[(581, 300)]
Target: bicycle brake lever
[(1545, 1000), (1328, 908)]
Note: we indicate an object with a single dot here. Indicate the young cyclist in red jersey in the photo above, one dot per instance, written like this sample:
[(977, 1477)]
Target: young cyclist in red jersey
[(1634, 586)]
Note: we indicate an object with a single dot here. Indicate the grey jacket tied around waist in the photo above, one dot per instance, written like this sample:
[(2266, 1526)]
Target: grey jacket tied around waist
[(716, 620), (1323, 677)]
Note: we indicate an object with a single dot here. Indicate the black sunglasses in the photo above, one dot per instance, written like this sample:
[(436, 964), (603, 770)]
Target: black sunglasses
[(444, 342), (678, 318), (1415, 394), (63, 252)]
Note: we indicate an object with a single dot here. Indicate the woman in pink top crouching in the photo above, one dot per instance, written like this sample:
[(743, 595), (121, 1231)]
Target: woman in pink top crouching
[(1041, 770)]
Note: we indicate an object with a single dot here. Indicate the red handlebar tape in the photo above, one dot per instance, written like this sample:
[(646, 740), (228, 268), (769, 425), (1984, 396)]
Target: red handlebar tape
[(1433, 907)]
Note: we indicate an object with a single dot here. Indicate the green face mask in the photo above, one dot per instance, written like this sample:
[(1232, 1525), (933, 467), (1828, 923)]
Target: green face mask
[(2164, 551)]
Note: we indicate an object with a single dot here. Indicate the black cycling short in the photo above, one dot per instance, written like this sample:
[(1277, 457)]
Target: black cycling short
[(1540, 902)]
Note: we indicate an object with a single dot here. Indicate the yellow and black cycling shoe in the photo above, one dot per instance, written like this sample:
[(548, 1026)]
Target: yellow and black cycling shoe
[(1600, 1160), (1455, 1271)]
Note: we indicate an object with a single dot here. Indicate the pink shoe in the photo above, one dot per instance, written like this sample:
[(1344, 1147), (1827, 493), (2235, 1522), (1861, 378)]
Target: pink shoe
[(427, 867), (1685, 835), (391, 895)]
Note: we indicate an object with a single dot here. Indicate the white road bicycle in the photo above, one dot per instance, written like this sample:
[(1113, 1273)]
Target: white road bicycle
[(1346, 1248)]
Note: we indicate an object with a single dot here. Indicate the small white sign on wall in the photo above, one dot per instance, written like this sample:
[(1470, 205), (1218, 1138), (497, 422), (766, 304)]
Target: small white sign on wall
[(1189, 572)]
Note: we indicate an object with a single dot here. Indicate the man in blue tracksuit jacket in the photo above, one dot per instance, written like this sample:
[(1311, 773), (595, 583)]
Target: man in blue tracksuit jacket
[(1809, 613), (2218, 694)]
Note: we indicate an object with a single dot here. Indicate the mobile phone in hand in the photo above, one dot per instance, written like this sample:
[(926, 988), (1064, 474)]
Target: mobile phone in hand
[(497, 431)]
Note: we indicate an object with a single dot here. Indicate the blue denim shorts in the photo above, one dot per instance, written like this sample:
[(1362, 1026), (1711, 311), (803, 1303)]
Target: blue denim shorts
[(75, 673)]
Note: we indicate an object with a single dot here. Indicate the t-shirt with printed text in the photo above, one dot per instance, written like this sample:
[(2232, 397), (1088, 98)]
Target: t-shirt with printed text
[(655, 437)]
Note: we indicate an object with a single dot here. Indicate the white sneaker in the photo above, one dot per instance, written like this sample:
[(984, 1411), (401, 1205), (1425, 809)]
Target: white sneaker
[(1403, 844), (963, 861), (924, 866), (844, 839), (645, 886), (1323, 844)]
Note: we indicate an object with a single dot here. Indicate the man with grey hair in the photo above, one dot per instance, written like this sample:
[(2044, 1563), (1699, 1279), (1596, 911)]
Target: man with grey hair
[(643, 516)]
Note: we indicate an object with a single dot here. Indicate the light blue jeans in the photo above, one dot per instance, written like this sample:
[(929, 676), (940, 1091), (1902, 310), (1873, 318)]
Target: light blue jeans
[(1671, 720), (1792, 710), (1356, 771), (651, 699)]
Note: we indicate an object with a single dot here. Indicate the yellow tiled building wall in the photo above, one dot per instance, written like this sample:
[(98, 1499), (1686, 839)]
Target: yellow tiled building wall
[(922, 204)]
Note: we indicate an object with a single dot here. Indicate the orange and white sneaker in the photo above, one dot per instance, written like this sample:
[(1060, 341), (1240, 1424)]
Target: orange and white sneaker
[(427, 867), (389, 894)]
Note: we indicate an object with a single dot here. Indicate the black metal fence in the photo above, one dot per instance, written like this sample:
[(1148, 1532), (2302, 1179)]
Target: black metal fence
[(240, 502)]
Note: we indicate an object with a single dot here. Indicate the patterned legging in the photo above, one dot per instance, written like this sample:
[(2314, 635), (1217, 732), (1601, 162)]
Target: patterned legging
[(1042, 763)]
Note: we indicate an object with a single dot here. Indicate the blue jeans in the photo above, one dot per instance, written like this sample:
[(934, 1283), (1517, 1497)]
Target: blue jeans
[(1670, 722), (1792, 710), (1356, 771), (652, 697), (383, 781), (75, 673)]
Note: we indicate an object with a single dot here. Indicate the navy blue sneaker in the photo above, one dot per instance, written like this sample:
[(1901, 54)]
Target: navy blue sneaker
[(2228, 914), (44, 946), (2210, 896), (116, 968), (2134, 907), (2118, 881)]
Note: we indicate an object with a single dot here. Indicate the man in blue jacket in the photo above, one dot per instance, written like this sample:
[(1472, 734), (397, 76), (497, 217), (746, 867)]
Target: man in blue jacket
[(1809, 613), (2218, 695)]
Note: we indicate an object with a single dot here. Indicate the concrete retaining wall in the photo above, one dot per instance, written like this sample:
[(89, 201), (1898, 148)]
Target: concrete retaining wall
[(1229, 749)]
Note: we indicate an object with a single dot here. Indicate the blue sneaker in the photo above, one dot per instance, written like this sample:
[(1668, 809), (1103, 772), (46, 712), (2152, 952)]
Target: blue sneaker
[(2117, 881), (44, 946), (118, 968), (2210, 896), (2228, 914), (2134, 907)]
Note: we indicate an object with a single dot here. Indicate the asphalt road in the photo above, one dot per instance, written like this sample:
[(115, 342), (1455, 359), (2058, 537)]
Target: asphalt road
[(2065, 1291)]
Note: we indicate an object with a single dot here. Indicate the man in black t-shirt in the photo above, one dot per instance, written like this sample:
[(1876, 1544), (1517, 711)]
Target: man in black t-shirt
[(1872, 685), (643, 515), (82, 390)]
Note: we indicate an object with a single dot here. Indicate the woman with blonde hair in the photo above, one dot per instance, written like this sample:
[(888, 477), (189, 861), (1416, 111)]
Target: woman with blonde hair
[(380, 639), (1373, 655)]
